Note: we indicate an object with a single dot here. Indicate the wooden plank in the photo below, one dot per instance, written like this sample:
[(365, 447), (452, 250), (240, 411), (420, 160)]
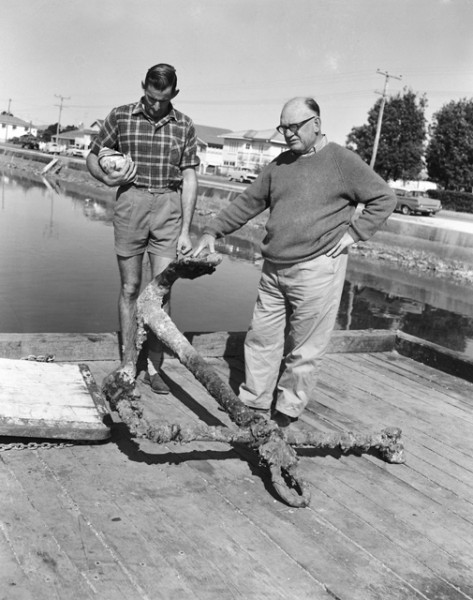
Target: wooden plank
[(365, 340), (438, 471), (446, 360), (403, 526), (45, 567), (422, 476), (217, 344), (406, 400), (455, 390), (70, 347), (431, 452), (230, 344), (221, 557), (419, 513), (98, 539), (13, 581), (341, 497), (454, 387)]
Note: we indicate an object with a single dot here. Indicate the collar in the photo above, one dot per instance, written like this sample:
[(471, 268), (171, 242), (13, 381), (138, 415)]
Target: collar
[(318, 146), (321, 143)]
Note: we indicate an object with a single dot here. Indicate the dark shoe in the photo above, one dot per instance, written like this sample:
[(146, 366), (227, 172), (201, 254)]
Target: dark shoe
[(156, 383), (282, 419)]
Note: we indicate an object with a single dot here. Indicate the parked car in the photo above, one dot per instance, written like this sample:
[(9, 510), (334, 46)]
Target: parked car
[(52, 148), (415, 203), (242, 175), (29, 141), (77, 151)]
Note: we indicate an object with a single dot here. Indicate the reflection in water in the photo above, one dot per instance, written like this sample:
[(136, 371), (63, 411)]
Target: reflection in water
[(53, 190), (365, 307), (58, 273)]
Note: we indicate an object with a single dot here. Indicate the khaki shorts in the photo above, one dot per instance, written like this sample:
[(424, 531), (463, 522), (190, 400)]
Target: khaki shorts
[(145, 220)]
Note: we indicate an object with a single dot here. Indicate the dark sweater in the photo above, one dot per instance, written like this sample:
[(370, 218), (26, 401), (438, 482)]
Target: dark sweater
[(312, 200)]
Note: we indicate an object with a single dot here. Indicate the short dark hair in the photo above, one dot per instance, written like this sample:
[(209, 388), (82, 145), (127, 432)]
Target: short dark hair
[(312, 104), (161, 76)]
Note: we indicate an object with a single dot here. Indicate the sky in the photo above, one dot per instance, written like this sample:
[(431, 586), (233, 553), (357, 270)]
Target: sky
[(237, 61)]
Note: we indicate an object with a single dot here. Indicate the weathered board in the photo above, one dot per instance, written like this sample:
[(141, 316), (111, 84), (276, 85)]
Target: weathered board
[(49, 400)]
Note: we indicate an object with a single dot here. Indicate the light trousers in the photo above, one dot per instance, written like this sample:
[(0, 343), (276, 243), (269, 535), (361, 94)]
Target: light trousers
[(294, 316)]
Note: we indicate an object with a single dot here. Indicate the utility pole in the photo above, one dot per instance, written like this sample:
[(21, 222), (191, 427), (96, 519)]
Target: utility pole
[(60, 112), (380, 116)]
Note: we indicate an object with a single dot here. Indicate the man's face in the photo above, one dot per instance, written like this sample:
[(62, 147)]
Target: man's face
[(302, 140), (157, 101)]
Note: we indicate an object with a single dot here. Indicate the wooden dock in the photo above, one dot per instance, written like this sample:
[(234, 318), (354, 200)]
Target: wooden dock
[(126, 519)]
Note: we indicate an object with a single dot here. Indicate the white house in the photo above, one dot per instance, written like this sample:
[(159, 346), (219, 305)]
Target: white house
[(210, 148), (11, 127), (251, 149), (77, 137)]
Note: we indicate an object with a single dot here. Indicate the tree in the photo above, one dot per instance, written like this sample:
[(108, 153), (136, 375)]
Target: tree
[(449, 154), (50, 132), (402, 139)]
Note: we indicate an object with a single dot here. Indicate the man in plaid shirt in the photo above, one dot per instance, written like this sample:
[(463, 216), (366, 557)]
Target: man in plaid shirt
[(157, 191)]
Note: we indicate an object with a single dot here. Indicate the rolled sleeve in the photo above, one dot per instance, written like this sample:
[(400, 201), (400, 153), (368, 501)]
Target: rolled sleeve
[(189, 157)]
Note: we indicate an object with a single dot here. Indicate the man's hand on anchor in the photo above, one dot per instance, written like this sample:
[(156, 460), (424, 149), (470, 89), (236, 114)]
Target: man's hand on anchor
[(206, 241)]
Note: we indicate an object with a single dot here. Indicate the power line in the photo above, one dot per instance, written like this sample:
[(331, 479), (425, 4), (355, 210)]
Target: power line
[(387, 76)]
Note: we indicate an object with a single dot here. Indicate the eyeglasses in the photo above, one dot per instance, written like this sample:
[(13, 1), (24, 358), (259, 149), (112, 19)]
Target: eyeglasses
[(293, 127)]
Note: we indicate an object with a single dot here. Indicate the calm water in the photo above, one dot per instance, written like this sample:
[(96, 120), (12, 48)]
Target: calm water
[(58, 274)]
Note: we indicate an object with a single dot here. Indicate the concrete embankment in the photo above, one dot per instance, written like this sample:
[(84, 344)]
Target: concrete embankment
[(437, 231)]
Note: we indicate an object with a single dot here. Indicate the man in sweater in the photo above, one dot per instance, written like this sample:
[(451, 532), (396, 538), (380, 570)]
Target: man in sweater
[(157, 191), (312, 191)]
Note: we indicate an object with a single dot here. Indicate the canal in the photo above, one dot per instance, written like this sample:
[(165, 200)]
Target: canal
[(58, 274)]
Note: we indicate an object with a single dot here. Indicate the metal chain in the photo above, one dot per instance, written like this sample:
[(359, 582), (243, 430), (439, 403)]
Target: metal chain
[(39, 357), (34, 446)]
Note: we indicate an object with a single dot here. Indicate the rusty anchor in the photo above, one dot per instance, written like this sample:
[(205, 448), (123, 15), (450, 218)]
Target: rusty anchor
[(275, 446)]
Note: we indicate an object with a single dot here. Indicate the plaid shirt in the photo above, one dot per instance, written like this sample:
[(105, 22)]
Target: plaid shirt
[(160, 150)]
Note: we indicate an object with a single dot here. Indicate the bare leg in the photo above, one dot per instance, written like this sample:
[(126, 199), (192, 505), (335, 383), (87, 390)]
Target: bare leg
[(130, 276), (155, 348)]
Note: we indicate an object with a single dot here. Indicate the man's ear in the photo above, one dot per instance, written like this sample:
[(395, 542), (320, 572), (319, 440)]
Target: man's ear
[(175, 93)]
